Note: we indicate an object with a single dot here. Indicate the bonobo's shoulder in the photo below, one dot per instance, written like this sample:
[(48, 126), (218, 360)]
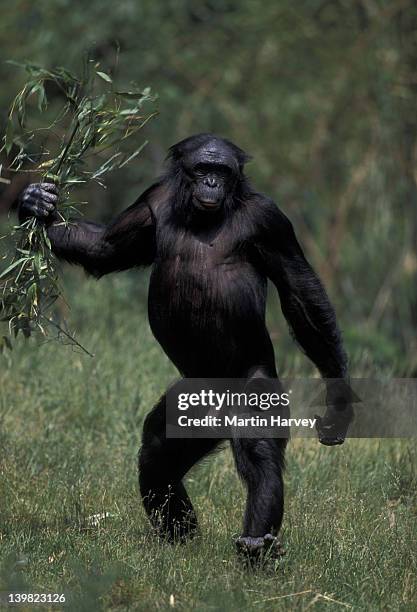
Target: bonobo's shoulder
[(267, 216), (154, 197)]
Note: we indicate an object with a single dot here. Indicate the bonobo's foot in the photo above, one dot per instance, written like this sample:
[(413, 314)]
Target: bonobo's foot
[(257, 550), (178, 534), (177, 531)]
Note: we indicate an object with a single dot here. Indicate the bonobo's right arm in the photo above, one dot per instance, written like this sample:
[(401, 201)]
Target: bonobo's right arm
[(128, 241)]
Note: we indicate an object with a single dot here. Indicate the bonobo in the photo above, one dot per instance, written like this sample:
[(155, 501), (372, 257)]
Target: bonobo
[(212, 242)]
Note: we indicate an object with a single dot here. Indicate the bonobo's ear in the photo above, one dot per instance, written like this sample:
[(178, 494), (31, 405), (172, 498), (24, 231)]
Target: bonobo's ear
[(241, 156), (174, 153)]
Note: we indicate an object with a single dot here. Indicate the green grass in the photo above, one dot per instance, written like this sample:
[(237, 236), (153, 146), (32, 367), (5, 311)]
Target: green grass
[(70, 429)]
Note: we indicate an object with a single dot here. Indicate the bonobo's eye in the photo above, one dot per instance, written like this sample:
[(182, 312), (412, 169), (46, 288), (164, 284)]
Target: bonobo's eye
[(202, 169)]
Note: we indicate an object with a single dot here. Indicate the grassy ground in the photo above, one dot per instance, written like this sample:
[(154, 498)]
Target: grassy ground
[(69, 433)]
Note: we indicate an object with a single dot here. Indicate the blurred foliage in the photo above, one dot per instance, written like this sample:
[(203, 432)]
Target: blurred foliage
[(322, 93)]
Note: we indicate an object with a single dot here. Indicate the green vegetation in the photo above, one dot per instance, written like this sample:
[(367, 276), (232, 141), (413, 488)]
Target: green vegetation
[(70, 431), (94, 119)]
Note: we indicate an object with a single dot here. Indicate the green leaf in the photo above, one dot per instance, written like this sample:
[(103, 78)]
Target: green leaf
[(104, 76), (107, 166), (54, 178), (130, 95), (38, 263), (99, 103), (129, 111), (73, 181), (134, 154), (13, 266), (42, 102), (8, 138)]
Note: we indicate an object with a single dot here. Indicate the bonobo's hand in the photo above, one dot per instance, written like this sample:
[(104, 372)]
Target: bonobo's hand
[(333, 426), (38, 200)]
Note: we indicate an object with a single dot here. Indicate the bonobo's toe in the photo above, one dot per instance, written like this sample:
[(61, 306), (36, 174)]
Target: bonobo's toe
[(255, 550), (331, 441)]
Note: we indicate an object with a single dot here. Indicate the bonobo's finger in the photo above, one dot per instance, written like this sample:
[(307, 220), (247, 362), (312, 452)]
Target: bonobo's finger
[(36, 200), (46, 191), (33, 188), (51, 187), (37, 187), (35, 207), (48, 197), (35, 210), (30, 193), (327, 434)]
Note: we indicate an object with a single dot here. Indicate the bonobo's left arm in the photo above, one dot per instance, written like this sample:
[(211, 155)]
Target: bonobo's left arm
[(304, 301), (308, 311)]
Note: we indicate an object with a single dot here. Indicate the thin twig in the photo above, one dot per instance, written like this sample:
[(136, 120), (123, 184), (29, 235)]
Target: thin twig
[(67, 335), (67, 146)]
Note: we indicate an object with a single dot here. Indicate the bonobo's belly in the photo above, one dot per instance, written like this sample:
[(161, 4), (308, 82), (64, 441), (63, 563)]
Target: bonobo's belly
[(209, 319)]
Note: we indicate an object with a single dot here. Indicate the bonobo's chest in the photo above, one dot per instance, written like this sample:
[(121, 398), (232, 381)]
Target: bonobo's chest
[(205, 274), (201, 251), (213, 262)]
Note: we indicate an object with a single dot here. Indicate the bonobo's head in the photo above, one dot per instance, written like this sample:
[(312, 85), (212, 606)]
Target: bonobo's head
[(212, 168)]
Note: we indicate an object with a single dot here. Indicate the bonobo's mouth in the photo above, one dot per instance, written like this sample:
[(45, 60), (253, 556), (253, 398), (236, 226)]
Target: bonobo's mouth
[(206, 203)]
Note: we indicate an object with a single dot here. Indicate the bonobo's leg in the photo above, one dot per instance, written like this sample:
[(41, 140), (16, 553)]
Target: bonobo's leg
[(260, 464), (163, 462)]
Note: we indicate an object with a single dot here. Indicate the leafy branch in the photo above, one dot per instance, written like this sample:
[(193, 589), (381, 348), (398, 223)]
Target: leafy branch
[(92, 134)]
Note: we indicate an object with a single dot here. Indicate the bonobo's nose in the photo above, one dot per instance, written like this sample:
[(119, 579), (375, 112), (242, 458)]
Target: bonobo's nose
[(210, 181)]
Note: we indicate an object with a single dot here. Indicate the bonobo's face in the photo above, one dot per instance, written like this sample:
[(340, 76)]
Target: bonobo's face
[(212, 169), (210, 184)]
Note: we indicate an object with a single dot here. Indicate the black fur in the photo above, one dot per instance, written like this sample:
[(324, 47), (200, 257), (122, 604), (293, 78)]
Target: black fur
[(207, 309)]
